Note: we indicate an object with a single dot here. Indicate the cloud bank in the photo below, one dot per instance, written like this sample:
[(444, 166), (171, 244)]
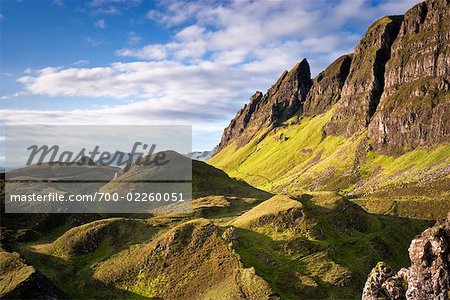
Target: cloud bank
[(219, 54)]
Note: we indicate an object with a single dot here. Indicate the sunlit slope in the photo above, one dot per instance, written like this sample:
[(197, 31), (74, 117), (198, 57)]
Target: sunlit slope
[(298, 156), (319, 246)]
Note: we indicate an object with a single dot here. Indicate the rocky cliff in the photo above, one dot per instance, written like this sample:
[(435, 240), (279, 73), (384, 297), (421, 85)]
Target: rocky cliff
[(364, 85), (415, 108), (327, 87), (281, 102), (395, 87), (426, 278)]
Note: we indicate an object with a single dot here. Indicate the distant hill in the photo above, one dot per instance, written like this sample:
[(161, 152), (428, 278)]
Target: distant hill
[(200, 155), (213, 190)]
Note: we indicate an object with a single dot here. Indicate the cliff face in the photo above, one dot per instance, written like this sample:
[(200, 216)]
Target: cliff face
[(327, 87), (364, 84), (395, 86), (427, 277), (282, 101), (415, 107)]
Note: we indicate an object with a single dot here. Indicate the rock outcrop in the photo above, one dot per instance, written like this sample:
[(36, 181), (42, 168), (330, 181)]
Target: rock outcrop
[(364, 85), (395, 87), (427, 277), (281, 102), (385, 283), (327, 87), (415, 107)]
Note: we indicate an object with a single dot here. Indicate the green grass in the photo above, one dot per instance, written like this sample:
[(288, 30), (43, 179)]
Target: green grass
[(297, 158), (68, 261), (331, 263), (264, 163), (410, 167)]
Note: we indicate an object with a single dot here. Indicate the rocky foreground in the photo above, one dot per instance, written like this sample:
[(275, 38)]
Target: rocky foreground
[(426, 278)]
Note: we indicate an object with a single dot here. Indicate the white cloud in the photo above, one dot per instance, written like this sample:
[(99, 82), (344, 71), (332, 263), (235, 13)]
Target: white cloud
[(151, 52), (100, 24), (218, 55), (59, 3), (99, 3), (81, 62), (93, 42), (204, 82), (237, 32), (111, 7), (14, 95), (133, 38)]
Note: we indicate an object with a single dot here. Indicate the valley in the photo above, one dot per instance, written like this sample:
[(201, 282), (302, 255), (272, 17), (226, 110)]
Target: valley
[(319, 189)]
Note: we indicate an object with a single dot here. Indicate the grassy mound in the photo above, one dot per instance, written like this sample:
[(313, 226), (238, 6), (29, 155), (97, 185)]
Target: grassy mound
[(102, 236), (190, 261), (21, 281), (13, 272), (280, 211), (324, 249)]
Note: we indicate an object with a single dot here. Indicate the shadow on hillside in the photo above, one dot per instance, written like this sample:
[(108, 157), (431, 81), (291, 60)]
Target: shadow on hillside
[(335, 249), (76, 281)]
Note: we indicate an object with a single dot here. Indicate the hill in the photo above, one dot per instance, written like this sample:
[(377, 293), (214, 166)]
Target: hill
[(213, 191), (319, 246), (372, 125)]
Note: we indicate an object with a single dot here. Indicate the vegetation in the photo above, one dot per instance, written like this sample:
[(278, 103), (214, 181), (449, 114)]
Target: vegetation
[(298, 158), (328, 253)]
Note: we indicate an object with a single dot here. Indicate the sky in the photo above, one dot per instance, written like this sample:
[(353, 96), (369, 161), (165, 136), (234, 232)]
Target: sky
[(133, 62)]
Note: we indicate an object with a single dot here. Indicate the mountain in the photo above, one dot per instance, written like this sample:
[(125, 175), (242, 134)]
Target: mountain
[(213, 191), (371, 125), (200, 155), (314, 183)]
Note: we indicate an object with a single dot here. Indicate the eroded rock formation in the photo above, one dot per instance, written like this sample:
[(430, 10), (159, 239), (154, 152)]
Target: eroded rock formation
[(281, 102), (415, 107), (426, 278), (395, 87)]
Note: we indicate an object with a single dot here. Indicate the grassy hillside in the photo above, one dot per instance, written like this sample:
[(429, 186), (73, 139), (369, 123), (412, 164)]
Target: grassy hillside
[(187, 260), (298, 157), (314, 247), (319, 247), (213, 191)]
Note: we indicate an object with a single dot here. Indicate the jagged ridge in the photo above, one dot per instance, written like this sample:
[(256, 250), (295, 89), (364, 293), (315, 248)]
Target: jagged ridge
[(371, 119), (402, 100)]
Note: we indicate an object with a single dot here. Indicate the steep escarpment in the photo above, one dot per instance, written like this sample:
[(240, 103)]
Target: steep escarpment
[(375, 119), (364, 84), (415, 108), (428, 276), (284, 99), (327, 87)]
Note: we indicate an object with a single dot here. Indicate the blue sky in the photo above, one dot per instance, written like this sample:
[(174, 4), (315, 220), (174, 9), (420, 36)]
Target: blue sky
[(145, 62)]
